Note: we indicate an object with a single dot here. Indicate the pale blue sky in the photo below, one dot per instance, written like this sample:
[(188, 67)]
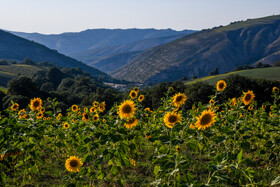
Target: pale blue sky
[(57, 16)]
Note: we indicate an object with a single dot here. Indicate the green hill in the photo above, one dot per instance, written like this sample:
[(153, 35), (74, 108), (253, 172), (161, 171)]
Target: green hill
[(272, 73), (247, 42)]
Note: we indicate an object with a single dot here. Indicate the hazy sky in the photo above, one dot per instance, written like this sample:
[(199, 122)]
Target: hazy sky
[(57, 16)]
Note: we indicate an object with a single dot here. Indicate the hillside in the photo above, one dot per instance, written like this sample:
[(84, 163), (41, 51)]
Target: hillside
[(15, 48), (102, 58), (272, 73), (197, 54), (76, 42)]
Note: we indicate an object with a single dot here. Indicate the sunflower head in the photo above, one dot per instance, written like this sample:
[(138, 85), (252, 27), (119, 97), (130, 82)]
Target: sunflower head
[(206, 119), (85, 109), (75, 108), (21, 113), (248, 97), (66, 125), (170, 118), (178, 148), (95, 104), (250, 107), (127, 109), (40, 115), (73, 164), (221, 85), (14, 107), (133, 94), (179, 99), (92, 110), (211, 101), (132, 161), (104, 120), (136, 89), (102, 107), (263, 107), (275, 90), (85, 117), (95, 118), (36, 103), (42, 109), (132, 122), (141, 98)]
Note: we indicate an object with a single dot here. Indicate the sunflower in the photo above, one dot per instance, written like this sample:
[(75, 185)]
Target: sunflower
[(95, 118), (85, 109), (178, 148), (233, 102), (133, 94), (42, 109), (221, 85), (250, 107), (73, 164), (21, 113), (40, 115), (248, 97), (66, 125), (263, 107), (141, 98), (14, 107), (211, 101), (26, 116), (132, 161), (102, 107), (136, 89), (179, 99), (85, 117), (92, 110), (75, 108), (275, 90), (271, 107), (104, 120), (147, 136), (127, 109), (95, 104), (132, 122), (36, 103), (170, 118), (206, 119)]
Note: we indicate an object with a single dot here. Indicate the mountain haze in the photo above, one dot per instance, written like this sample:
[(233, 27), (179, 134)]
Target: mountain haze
[(13, 47), (75, 42), (240, 43)]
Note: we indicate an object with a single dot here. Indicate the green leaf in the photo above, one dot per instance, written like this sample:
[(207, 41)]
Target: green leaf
[(115, 170), (156, 170), (240, 156)]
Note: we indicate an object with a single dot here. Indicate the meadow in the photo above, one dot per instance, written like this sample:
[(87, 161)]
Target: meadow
[(231, 143)]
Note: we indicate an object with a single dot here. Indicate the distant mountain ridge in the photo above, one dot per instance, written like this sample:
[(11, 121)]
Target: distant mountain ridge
[(74, 42), (245, 42), (13, 47)]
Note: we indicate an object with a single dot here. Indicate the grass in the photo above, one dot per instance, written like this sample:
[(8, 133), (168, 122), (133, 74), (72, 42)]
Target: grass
[(272, 73), (249, 22), (22, 69)]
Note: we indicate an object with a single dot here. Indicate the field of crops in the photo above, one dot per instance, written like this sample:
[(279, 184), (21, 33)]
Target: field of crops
[(271, 73), (229, 143)]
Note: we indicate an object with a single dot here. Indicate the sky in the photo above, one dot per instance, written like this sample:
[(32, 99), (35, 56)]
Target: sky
[(58, 16)]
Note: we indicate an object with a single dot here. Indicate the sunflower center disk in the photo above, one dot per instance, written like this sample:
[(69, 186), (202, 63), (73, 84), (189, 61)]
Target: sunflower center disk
[(36, 104), (248, 97), (206, 119), (73, 163), (221, 86), (172, 119), (126, 109), (179, 98)]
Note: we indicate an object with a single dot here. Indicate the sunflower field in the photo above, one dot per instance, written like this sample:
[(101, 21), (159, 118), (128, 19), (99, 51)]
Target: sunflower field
[(230, 143)]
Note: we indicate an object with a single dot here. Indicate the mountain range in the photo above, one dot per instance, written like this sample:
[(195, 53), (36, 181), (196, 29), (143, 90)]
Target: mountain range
[(197, 54), (16, 48), (95, 44)]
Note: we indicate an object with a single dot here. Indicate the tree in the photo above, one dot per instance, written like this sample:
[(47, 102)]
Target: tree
[(22, 86)]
